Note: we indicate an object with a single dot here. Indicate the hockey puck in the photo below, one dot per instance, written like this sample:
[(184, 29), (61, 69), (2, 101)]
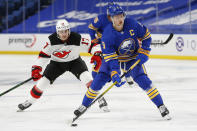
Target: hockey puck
[(74, 125)]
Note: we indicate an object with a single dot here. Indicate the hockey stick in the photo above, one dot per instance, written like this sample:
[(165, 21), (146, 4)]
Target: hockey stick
[(16, 86), (101, 95), (165, 42)]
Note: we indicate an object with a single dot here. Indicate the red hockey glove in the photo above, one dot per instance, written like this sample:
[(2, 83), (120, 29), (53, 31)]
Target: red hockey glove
[(97, 60), (35, 73), (95, 41)]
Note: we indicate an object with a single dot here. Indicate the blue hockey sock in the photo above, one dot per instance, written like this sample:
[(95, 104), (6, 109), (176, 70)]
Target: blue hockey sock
[(89, 97), (154, 95)]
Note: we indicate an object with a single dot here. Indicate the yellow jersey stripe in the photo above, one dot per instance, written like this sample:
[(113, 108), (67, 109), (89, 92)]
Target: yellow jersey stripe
[(146, 34), (99, 34), (147, 37), (146, 52), (111, 58), (107, 57), (92, 27)]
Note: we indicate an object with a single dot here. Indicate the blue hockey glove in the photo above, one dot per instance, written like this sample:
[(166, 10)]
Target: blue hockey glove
[(143, 56), (115, 77)]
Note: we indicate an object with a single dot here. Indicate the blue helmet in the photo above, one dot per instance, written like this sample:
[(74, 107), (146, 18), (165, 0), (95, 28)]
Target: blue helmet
[(114, 9)]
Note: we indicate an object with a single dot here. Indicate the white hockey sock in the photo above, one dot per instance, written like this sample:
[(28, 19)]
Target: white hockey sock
[(85, 78), (38, 89)]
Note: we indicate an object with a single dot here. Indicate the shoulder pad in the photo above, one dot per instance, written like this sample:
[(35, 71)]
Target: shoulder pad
[(74, 39), (54, 39)]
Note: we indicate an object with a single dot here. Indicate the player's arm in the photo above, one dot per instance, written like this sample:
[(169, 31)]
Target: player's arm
[(43, 58), (93, 28), (94, 49), (87, 46), (144, 37), (110, 56), (44, 55)]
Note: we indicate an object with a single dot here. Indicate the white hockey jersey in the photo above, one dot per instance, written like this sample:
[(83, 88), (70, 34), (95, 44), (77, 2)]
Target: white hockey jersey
[(66, 51)]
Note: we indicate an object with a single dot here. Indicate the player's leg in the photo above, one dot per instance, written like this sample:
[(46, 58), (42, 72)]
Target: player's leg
[(102, 102), (100, 80), (80, 70), (140, 77), (52, 71), (94, 73), (128, 77), (129, 80)]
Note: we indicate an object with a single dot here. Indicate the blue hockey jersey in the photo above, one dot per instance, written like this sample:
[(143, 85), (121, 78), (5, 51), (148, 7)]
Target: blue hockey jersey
[(98, 25), (124, 46)]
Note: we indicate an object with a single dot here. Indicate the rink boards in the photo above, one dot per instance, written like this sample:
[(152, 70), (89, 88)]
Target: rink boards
[(182, 46)]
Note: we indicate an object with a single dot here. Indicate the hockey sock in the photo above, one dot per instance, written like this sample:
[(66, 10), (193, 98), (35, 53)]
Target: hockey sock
[(89, 97), (85, 77), (154, 95), (38, 89), (36, 93)]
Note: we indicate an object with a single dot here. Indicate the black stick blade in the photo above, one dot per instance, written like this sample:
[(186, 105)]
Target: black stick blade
[(165, 42)]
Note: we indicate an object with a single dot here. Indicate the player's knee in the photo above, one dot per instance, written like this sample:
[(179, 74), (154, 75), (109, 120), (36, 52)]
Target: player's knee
[(100, 80), (143, 81), (85, 77), (43, 83), (94, 74), (51, 79)]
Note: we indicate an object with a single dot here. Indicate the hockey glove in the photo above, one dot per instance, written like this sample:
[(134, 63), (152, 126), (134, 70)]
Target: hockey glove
[(35, 73), (95, 41), (115, 77), (143, 56), (97, 60)]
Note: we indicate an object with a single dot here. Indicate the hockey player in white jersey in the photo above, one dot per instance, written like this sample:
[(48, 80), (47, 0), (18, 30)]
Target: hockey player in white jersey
[(63, 50)]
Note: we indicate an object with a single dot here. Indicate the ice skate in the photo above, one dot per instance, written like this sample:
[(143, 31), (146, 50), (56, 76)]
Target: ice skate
[(24, 105), (129, 81), (103, 104), (164, 112), (80, 110)]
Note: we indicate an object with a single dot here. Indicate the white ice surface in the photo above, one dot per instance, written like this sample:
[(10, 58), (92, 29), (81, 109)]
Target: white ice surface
[(131, 109)]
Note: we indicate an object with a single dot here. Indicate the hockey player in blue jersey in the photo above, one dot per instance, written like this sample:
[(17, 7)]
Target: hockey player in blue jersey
[(96, 29), (120, 46)]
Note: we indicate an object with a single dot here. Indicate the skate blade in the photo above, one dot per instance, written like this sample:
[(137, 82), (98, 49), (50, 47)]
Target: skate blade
[(71, 123), (167, 117), (19, 110), (105, 109)]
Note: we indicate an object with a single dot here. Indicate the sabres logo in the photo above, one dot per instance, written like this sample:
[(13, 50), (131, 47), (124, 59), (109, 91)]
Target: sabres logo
[(127, 47)]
